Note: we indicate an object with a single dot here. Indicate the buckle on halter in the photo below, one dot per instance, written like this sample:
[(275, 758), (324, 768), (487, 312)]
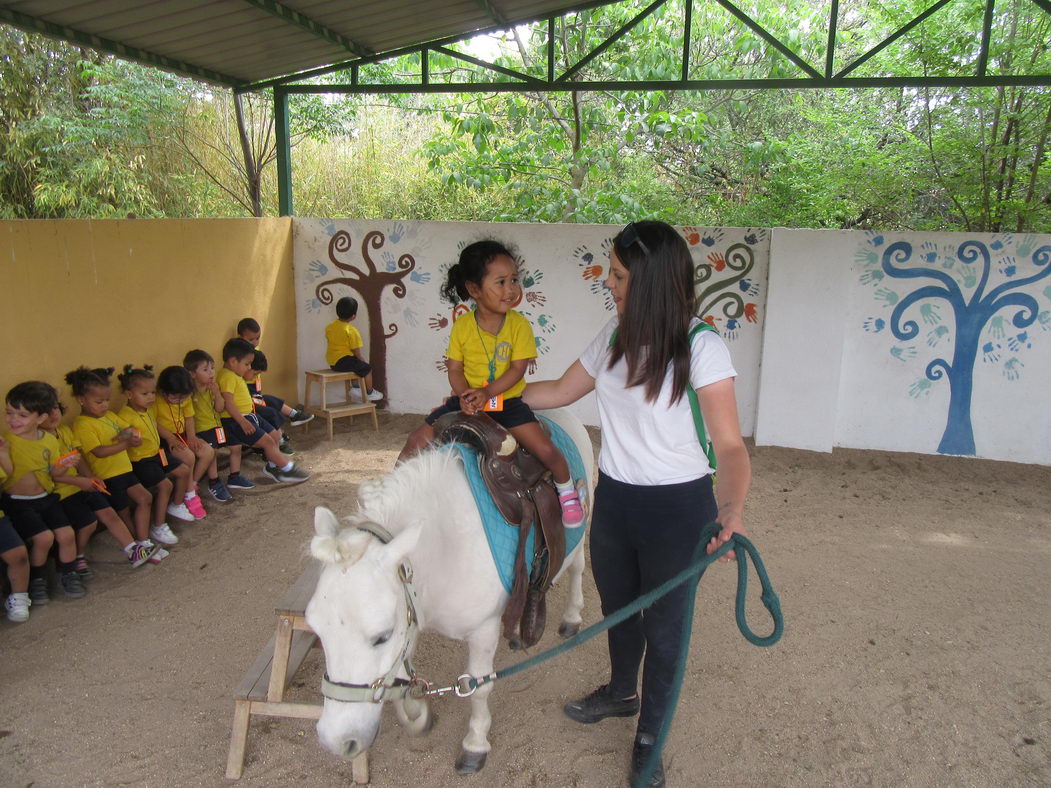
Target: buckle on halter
[(418, 689), (463, 686), (405, 573)]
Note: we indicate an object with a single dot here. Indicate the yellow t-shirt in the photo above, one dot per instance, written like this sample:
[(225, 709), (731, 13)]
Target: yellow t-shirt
[(476, 348), (67, 443), (205, 416), (3, 478), (173, 417), (103, 431), (232, 383), (35, 457), (147, 427), (343, 339)]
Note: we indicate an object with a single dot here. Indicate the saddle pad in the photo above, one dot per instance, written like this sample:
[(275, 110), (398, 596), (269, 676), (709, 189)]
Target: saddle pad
[(502, 537)]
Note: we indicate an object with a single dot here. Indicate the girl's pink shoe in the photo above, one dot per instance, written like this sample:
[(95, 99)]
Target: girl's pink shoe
[(196, 507), (572, 511)]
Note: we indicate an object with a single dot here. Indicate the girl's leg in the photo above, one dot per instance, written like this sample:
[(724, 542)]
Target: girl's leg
[(162, 493), (416, 442), (83, 535), (182, 454), (17, 560), (142, 500), (536, 442), (180, 483), (235, 460), (67, 544), (204, 463), (116, 526)]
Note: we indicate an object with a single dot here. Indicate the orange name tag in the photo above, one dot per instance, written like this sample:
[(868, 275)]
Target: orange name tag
[(164, 457), (69, 459), (494, 403), (220, 435)]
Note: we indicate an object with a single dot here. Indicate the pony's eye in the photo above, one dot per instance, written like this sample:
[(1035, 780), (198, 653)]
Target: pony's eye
[(382, 638)]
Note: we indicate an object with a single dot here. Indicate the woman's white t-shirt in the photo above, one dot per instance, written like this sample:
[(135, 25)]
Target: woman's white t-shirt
[(652, 443)]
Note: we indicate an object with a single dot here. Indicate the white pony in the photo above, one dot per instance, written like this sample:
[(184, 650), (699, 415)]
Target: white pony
[(361, 609)]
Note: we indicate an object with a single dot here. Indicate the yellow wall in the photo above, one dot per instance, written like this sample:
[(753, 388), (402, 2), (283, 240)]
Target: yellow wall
[(105, 293)]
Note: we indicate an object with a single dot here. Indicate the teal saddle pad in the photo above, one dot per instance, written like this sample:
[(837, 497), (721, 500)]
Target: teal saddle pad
[(503, 537)]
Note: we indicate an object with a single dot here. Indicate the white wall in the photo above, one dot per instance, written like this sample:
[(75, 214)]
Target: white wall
[(563, 267)]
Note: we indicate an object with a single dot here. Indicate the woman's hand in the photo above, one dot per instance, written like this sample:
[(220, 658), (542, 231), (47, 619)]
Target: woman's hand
[(732, 524)]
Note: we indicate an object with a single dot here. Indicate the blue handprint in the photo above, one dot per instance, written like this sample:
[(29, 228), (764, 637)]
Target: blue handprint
[(874, 324), (329, 228), (874, 237), (317, 268), (991, 352), (411, 317), (546, 323), (996, 327), (1026, 247), (888, 296), (929, 254), (391, 261), (748, 287), (583, 254), (1008, 267), (921, 386), (866, 257), (420, 277), (999, 241), (395, 233), (732, 326), (929, 313), (312, 305), (712, 237), (948, 257), (530, 278), (871, 277), (754, 235), (1019, 341), (969, 277), (937, 335), (1013, 368), (903, 353)]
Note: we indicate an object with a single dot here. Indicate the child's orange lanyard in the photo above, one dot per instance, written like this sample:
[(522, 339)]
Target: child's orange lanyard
[(178, 421)]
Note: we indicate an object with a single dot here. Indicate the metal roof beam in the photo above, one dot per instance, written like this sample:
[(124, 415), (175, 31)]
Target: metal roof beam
[(35, 24), (892, 37), (623, 31), (283, 12), (762, 32), (487, 65)]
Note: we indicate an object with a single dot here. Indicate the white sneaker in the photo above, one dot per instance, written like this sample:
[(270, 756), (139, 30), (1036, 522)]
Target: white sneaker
[(158, 555), (180, 512), (375, 395), (18, 607), (163, 534)]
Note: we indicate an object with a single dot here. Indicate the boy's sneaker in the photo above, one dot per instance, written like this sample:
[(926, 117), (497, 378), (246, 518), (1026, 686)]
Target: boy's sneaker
[(71, 585), (219, 492), (82, 569), (239, 482), (293, 474), (299, 417), (137, 555), (375, 395), (163, 534), (286, 447), (18, 607), (572, 511), (157, 554), (38, 591), (195, 506), (180, 512)]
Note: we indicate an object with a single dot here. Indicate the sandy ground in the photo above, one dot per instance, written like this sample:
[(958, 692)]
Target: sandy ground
[(916, 595)]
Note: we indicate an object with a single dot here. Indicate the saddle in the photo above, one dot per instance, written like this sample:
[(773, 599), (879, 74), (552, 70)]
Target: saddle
[(523, 493)]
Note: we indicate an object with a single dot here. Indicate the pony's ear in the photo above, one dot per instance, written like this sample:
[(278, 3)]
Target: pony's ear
[(333, 545), (325, 522), (401, 545)]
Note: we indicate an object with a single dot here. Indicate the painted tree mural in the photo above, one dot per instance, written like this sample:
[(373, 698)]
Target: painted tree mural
[(725, 296), (962, 308), (369, 281)]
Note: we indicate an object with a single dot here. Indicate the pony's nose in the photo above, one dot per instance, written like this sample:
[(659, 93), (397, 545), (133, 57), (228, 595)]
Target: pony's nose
[(351, 748)]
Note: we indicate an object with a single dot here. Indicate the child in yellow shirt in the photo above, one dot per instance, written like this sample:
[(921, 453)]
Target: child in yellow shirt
[(13, 553), (174, 413), (164, 475), (249, 330), (105, 439), (207, 402), (343, 352), (29, 491)]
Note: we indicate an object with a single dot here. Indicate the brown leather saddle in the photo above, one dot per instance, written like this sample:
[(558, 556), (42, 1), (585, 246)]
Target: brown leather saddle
[(522, 490)]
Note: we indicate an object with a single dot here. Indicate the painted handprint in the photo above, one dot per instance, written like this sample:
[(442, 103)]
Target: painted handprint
[(937, 335), (442, 364), (692, 235), (717, 260), (889, 297), (411, 317), (592, 272), (312, 305), (750, 313), (584, 255), (712, 237), (531, 367), (1019, 341), (438, 322), (546, 323), (1044, 318), (530, 278), (991, 352), (1007, 266), (931, 314), (921, 387), (996, 327), (317, 268), (754, 235), (874, 324), (871, 277), (390, 260), (1000, 240), (903, 352), (420, 277), (970, 277), (866, 257), (536, 299), (874, 237), (732, 327), (1013, 368), (929, 253), (1025, 248), (395, 233), (748, 287)]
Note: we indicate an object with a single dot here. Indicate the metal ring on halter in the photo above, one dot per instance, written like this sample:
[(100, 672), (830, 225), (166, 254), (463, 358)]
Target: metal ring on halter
[(463, 686)]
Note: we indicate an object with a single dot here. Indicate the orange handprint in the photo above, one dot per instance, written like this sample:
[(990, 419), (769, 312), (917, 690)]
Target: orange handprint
[(718, 261), (592, 272), (750, 314), (692, 236)]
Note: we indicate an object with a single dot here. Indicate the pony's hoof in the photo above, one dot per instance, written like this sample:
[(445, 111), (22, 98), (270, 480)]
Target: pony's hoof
[(470, 762), (515, 643), (567, 630)]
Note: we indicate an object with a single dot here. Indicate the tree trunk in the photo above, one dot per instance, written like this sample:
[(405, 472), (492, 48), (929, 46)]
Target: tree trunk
[(253, 181)]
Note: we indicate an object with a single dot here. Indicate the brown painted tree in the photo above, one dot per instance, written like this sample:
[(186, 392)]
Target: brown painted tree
[(369, 281)]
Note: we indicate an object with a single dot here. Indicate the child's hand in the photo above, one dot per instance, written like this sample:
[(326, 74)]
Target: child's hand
[(194, 443), (472, 400), (247, 426), (135, 440)]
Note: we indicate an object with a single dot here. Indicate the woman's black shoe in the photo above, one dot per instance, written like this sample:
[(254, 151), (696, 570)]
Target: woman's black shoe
[(599, 705), (640, 757)]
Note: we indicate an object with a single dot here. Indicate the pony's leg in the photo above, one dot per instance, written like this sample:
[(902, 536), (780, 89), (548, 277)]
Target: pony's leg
[(481, 649), (575, 599)]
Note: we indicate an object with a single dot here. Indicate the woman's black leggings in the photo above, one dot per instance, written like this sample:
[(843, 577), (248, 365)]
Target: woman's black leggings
[(642, 536)]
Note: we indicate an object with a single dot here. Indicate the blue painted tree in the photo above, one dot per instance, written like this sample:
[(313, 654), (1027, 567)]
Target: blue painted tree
[(961, 279)]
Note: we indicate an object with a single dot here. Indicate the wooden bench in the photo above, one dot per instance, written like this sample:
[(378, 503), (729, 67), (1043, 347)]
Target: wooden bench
[(338, 410), (262, 690)]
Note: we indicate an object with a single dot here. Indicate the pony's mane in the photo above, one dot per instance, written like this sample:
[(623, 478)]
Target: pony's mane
[(393, 500)]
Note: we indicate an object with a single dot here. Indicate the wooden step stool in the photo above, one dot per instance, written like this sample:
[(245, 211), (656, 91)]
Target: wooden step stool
[(337, 410), (262, 690)]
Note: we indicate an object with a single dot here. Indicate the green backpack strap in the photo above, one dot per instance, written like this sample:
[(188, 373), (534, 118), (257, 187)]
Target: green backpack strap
[(691, 395)]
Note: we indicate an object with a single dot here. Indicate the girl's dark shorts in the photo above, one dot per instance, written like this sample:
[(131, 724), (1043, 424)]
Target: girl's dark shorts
[(80, 508), (34, 516), (515, 412), (9, 538), (150, 472), (118, 489)]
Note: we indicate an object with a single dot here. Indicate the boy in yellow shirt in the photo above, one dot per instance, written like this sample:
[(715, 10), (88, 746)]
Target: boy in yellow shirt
[(29, 491), (249, 330), (343, 353), (13, 553), (242, 425)]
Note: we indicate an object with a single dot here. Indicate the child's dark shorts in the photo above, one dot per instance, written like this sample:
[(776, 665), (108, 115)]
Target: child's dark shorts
[(80, 508), (32, 516), (515, 412), (151, 472), (234, 433), (118, 489), (212, 439), (352, 364), (9, 538)]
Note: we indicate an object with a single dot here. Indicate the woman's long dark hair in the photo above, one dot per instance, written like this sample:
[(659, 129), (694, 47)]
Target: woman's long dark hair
[(654, 327)]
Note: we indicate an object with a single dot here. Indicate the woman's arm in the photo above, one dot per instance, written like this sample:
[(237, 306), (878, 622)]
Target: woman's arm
[(574, 384), (719, 408)]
